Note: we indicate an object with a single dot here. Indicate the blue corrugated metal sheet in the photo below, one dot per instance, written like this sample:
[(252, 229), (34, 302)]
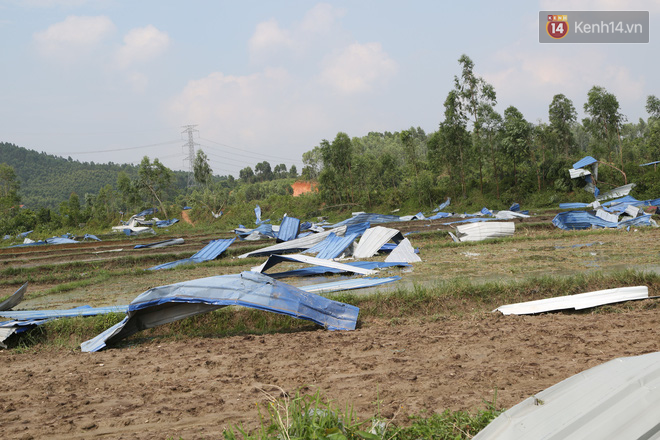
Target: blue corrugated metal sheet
[(642, 220), (160, 244), (91, 237), (66, 313), (357, 228), (585, 161), (166, 223), (650, 163), (149, 211), (164, 304), (289, 229), (357, 283), (579, 220), (210, 252), (371, 218), (334, 245), (443, 205), (575, 205), (319, 270)]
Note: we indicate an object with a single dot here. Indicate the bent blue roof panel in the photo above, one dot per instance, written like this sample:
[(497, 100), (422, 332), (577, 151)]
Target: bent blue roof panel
[(580, 220), (210, 252), (335, 245), (371, 218), (289, 229), (166, 223), (164, 304), (650, 163), (65, 313), (585, 161)]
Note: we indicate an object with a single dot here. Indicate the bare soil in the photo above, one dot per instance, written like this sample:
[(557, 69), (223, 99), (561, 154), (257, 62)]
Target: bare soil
[(196, 388)]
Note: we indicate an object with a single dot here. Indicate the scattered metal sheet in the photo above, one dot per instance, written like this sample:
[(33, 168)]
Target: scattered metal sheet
[(164, 304), (166, 223), (613, 218), (276, 259), (583, 220), (160, 244), (650, 163), (289, 229), (371, 218), (576, 302), (616, 192), (373, 239), (322, 270), (334, 246), (509, 215), (357, 283), (297, 245), (585, 161), (91, 237), (14, 299), (443, 205), (23, 315), (615, 400), (404, 252), (209, 252), (580, 172), (484, 231)]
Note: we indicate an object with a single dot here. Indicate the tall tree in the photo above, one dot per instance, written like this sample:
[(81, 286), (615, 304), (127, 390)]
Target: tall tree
[(155, 179), (9, 187), (604, 120), (475, 94), (263, 172), (653, 106), (516, 138), (454, 140), (246, 175), (562, 116), (201, 169), (491, 126)]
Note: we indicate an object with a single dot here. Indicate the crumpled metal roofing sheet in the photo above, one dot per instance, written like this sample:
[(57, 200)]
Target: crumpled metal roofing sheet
[(443, 205), (60, 240), (650, 163), (209, 252), (373, 239), (333, 246), (574, 205), (615, 400), (276, 259), (585, 161), (160, 244), (164, 304), (289, 229), (579, 220), (357, 283), (63, 313), (617, 192), (371, 218), (321, 270), (299, 244), (484, 231), (576, 302), (166, 223), (14, 299), (404, 253), (580, 172)]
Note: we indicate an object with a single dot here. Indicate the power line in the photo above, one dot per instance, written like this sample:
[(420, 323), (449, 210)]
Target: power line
[(120, 149), (254, 154)]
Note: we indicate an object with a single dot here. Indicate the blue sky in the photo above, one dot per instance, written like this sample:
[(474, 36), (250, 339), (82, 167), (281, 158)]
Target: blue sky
[(114, 80)]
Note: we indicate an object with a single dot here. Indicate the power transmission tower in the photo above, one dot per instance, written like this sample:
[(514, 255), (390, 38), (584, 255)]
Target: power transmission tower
[(190, 129)]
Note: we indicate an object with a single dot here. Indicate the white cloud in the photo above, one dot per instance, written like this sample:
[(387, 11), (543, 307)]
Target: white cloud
[(142, 44), (268, 38), (358, 68), (321, 18), (75, 36)]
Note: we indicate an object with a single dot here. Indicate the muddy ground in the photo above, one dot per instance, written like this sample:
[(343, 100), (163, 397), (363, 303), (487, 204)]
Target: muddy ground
[(195, 388)]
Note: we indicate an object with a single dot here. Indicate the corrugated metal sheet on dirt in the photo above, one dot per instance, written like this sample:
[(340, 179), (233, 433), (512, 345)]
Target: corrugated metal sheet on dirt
[(576, 302), (209, 252), (297, 245), (289, 229), (404, 253), (579, 220), (164, 304), (365, 217), (321, 270), (357, 283), (373, 239), (64, 313), (484, 231), (615, 400), (276, 259), (333, 246), (14, 299), (160, 244)]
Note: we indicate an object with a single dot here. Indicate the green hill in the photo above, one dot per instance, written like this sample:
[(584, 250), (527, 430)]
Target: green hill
[(48, 180)]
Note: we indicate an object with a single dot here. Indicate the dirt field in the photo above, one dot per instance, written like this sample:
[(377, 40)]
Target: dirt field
[(195, 388)]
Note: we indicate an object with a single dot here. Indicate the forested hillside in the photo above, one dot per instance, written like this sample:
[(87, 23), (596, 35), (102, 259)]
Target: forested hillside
[(47, 180)]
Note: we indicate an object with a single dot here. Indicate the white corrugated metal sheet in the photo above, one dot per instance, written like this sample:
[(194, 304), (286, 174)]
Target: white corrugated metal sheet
[(619, 399), (483, 231), (577, 302), (373, 239), (404, 253), (275, 259), (578, 173), (295, 245), (357, 283), (617, 192)]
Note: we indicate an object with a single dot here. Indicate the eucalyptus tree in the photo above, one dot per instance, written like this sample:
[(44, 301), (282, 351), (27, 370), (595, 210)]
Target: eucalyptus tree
[(562, 117), (605, 120), (491, 126), (452, 144), (201, 169), (475, 94), (9, 187), (154, 179), (516, 138)]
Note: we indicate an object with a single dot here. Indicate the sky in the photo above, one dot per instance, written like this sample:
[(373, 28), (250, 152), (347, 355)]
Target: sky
[(117, 80)]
